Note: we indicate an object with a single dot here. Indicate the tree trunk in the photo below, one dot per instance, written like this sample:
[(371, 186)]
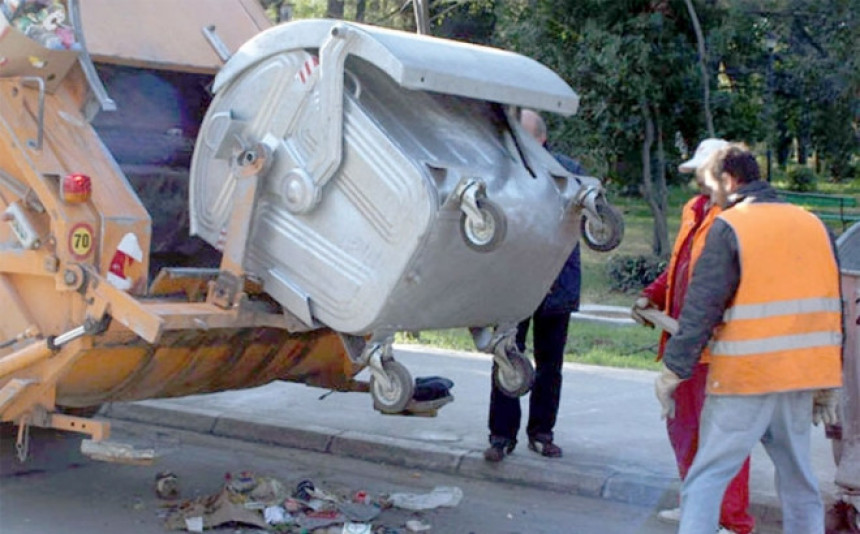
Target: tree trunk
[(334, 9), (703, 66), (360, 8), (651, 191)]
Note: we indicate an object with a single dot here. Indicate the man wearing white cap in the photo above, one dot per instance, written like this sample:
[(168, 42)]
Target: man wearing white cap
[(666, 293)]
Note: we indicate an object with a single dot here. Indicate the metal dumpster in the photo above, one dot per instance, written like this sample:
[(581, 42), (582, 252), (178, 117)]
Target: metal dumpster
[(396, 189), (846, 436)]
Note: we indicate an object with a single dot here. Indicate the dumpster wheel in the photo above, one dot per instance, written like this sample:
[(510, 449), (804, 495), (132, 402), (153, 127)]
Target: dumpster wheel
[(394, 397), (486, 234), (517, 381), (606, 233)]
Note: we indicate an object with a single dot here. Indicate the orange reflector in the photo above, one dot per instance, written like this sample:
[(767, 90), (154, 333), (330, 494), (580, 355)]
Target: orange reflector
[(77, 188)]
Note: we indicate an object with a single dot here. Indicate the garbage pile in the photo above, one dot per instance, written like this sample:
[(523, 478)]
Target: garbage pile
[(44, 21), (266, 503)]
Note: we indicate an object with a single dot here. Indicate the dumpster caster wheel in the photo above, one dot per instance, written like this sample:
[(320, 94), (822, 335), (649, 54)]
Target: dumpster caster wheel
[(604, 234), (392, 397), (518, 379), (486, 234)]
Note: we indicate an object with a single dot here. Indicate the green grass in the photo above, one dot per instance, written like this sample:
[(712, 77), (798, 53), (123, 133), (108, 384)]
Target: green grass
[(597, 344), (609, 345)]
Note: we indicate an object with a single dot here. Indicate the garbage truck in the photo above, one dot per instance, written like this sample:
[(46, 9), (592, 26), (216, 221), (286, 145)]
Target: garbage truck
[(200, 201)]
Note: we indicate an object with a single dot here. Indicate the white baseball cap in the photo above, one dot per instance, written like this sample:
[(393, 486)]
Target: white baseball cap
[(703, 152)]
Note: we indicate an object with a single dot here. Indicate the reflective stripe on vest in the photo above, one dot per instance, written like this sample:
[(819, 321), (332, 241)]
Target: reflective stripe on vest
[(783, 329), (783, 307)]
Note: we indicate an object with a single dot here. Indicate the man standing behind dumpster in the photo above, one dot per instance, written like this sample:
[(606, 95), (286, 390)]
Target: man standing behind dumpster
[(550, 336), (667, 293), (767, 279)]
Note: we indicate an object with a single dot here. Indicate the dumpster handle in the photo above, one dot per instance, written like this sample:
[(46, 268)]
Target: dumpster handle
[(40, 135), (105, 102), (216, 43)]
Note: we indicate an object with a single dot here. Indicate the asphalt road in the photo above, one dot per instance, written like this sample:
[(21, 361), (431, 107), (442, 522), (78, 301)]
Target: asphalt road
[(59, 490)]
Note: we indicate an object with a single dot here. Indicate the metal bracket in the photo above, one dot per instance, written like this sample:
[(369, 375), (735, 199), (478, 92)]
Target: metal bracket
[(40, 118), (105, 102), (216, 43), (303, 185), (374, 354), (224, 290), (469, 191), (587, 198), (22, 444), (496, 341)]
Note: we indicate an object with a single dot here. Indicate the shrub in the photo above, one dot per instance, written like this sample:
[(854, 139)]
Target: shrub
[(632, 273), (802, 179)]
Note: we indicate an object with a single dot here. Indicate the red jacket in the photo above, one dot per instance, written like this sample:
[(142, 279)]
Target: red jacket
[(668, 290)]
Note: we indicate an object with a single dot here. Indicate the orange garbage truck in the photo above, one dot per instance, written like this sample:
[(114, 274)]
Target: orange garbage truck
[(194, 201)]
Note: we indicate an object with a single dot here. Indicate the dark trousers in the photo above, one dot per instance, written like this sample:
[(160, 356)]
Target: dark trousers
[(550, 336)]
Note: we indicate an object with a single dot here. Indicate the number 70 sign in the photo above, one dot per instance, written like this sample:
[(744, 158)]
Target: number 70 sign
[(81, 240)]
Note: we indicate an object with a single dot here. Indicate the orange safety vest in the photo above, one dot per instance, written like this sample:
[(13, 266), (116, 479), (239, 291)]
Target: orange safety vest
[(688, 223), (783, 329)]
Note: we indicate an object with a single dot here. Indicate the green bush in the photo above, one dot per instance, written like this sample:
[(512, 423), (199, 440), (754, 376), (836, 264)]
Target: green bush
[(802, 179), (632, 273)]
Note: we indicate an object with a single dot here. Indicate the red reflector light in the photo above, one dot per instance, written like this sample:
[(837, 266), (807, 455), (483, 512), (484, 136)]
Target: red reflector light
[(77, 188)]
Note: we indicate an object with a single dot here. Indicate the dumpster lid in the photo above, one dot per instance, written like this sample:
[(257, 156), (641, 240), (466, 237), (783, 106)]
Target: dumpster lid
[(422, 62), (848, 249), (166, 34)]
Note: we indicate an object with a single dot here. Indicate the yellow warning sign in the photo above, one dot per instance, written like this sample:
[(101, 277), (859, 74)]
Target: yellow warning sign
[(81, 240)]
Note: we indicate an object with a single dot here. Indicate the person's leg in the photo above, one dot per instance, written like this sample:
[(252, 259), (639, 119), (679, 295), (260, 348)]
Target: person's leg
[(734, 512), (505, 412), (550, 337), (730, 427), (788, 444), (683, 429)]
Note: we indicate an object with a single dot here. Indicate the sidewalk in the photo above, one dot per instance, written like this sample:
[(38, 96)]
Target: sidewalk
[(615, 445)]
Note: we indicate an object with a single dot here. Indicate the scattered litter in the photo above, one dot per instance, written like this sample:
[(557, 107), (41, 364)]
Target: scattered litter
[(314, 520), (303, 490), (167, 485), (194, 524), (249, 500), (359, 512), (448, 496), (276, 515), (111, 451), (357, 528), (414, 525), (292, 505)]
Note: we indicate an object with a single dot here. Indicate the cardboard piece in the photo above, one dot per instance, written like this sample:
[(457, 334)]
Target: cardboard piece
[(22, 56)]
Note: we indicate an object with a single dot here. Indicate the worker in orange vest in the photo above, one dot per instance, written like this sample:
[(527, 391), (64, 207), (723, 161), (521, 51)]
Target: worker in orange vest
[(667, 293), (765, 292)]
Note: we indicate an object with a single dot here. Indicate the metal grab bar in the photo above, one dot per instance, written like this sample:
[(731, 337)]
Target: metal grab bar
[(40, 119), (106, 103)]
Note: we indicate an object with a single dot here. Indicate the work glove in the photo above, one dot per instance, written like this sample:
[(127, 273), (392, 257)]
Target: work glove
[(640, 304), (825, 407), (665, 386)]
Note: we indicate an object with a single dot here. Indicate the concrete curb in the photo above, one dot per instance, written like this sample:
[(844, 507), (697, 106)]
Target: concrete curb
[(591, 477)]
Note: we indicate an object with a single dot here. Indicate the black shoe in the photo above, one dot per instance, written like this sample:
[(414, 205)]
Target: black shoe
[(499, 448), (494, 453), (545, 447)]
